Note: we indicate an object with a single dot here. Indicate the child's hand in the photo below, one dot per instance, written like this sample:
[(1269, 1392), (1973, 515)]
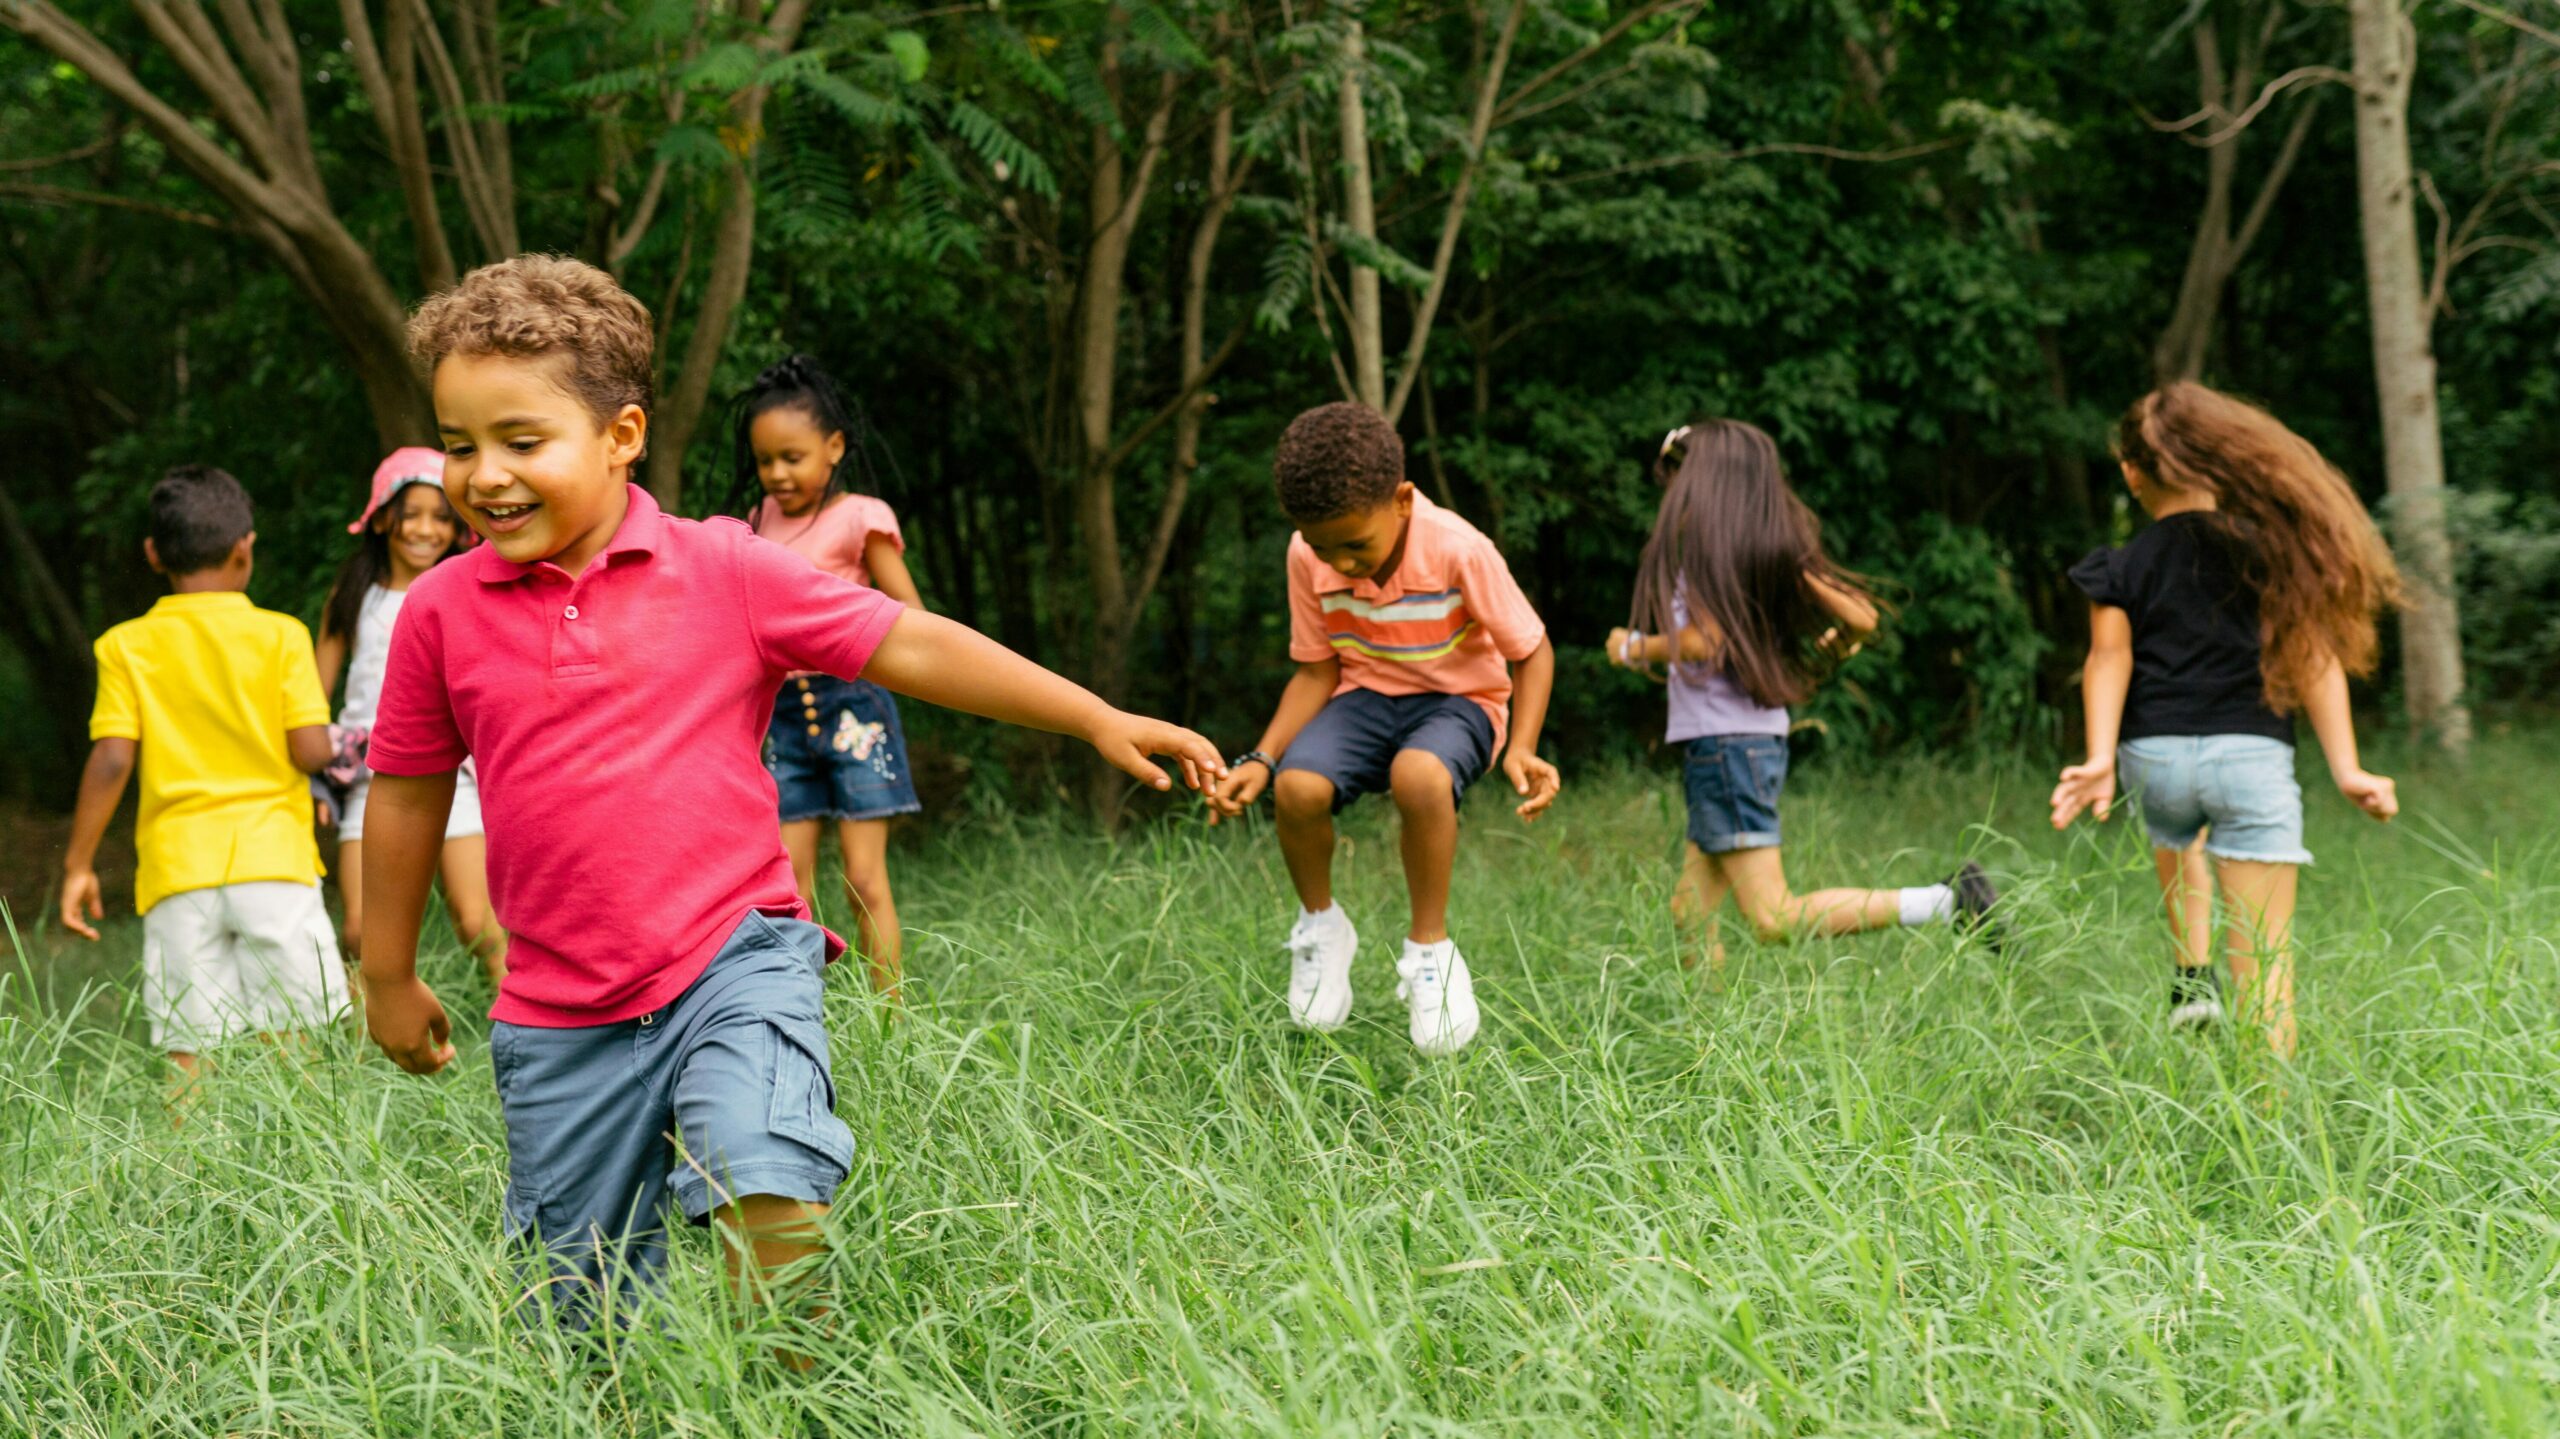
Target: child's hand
[(2375, 794), (409, 1023), (1617, 647), (1535, 779), (2090, 786), (81, 901), (1126, 740), (1231, 796)]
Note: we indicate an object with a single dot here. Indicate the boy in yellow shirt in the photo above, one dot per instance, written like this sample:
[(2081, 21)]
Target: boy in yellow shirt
[(219, 702)]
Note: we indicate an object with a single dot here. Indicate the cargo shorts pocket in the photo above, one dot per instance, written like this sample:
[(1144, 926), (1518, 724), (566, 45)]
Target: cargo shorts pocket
[(803, 1106)]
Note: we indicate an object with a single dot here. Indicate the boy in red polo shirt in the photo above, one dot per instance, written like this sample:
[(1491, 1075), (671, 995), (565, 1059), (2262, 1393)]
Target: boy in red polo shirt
[(611, 669), (1406, 626)]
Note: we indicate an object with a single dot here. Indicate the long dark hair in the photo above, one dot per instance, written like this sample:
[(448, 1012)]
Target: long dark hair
[(1732, 545), (372, 561), (799, 380), (2303, 541)]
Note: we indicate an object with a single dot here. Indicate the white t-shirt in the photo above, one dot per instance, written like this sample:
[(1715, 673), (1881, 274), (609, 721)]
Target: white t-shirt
[(368, 650)]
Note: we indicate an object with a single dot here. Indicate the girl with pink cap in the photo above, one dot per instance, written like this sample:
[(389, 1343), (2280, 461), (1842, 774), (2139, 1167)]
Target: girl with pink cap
[(408, 529)]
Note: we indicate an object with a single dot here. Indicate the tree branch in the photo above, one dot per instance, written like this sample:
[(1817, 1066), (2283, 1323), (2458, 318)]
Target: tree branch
[(1503, 112), (57, 195), (1157, 421), (2264, 202), (46, 162), (1753, 152), (1479, 129)]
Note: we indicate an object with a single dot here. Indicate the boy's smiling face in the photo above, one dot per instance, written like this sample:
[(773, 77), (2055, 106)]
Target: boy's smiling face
[(1364, 544), (526, 464)]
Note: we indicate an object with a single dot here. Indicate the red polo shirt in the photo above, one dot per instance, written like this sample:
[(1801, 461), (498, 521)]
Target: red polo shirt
[(617, 717)]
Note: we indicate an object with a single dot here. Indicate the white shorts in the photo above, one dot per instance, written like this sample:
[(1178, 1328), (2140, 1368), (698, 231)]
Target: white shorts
[(463, 823), (235, 959)]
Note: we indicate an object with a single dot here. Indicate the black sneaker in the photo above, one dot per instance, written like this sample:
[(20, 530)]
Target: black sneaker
[(2195, 998), (1976, 898)]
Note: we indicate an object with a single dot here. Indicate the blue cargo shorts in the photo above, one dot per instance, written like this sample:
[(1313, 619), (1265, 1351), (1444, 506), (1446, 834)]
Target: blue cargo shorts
[(722, 1093)]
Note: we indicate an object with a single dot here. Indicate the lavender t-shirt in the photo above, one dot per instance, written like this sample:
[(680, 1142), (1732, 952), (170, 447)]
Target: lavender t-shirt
[(1707, 700)]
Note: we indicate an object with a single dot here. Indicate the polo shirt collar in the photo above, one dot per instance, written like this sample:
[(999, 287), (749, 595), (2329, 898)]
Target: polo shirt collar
[(643, 525), (1332, 581), (201, 600)]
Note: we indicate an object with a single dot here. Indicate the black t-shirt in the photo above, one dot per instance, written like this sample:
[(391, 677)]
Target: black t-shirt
[(2195, 632)]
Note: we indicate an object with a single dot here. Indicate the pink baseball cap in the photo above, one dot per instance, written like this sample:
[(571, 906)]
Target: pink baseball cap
[(408, 465)]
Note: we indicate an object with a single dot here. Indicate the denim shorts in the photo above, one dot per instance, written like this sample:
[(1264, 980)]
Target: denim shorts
[(2241, 785), (1733, 782), (835, 750), (1353, 741), (735, 1068)]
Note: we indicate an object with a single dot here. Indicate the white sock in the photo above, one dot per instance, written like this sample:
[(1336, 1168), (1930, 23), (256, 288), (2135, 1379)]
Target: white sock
[(1324, 918), (1928, 904), (1438, 950)]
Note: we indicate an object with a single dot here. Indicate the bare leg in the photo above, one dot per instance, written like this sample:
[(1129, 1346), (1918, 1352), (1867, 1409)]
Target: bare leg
[(764, 1235), (1428, 805), (1695, 898), (2186, 888), (184, 1085), (1759, 880), (2258, 935), (351, 898), (464, 868), (800, 841), (1303, 801), (865, 843)]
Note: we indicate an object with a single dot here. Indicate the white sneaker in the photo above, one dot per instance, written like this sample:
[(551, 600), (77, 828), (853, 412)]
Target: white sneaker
[(1441, 995), (1321, 946)]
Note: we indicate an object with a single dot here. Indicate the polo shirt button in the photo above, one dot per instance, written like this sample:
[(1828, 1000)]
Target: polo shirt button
[(570, 613)]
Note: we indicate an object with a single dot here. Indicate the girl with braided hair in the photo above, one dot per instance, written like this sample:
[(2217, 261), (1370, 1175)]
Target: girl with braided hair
[(835, 746)]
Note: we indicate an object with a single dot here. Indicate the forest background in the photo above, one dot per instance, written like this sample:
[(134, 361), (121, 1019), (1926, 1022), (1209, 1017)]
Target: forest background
[(1080, 262)]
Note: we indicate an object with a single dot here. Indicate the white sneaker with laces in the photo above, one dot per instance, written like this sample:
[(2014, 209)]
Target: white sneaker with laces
[(1440, 995), (1321, 946)]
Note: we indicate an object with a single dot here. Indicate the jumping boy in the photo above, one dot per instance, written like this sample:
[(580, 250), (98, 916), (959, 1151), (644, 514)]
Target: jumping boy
[(218, 702), (611, 669), (1401, 618)]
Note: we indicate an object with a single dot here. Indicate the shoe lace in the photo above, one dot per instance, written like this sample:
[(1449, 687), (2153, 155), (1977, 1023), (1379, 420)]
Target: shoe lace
[(1418, 979), (1305, 950)]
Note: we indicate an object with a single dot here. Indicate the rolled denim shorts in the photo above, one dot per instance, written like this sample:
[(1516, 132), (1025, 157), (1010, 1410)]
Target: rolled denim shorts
[(735, 1068), (2241, 785), (836, 750), (1354, 740), (1733, 782)]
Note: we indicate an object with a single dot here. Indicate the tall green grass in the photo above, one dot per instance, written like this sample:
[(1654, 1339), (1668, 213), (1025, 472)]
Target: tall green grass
[(1887, 1185)]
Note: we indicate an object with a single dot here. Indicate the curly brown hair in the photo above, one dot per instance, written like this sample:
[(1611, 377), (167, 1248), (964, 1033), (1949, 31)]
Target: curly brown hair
[(533, 306), (1336, 459), (2304, 541)]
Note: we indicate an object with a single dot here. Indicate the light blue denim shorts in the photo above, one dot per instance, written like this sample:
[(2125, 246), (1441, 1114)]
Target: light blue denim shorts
[(2241, 785)]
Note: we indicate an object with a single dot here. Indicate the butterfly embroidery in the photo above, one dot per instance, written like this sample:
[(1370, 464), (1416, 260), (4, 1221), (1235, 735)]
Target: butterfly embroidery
[(855, 738)]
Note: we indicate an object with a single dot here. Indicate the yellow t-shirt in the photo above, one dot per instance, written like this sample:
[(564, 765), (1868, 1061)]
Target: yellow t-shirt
[(207, 684)]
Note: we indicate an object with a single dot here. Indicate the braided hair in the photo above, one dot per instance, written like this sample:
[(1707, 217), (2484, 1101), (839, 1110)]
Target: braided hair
[(798, 381)]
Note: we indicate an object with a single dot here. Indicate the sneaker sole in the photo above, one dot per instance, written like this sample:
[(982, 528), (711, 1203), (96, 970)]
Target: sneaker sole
[(2195, 1014)]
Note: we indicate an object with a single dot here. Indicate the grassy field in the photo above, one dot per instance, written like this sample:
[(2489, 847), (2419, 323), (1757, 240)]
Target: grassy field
[(1890, 1185)]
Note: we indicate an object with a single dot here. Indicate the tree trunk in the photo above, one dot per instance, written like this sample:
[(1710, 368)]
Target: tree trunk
[(2404, 367), (1360, 217), (733, 245)]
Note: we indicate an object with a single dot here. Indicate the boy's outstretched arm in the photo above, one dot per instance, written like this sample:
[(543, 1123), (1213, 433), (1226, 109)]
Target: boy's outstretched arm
[(1301, 700), (1533, 683), (2335, 723), (946, 663), (102, 783), (404, 822), (2091, 785)]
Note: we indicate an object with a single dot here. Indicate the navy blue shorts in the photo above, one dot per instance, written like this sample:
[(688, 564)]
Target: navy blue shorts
[(835, 750), (1353, 740), (1733, 782), (735, 1068)]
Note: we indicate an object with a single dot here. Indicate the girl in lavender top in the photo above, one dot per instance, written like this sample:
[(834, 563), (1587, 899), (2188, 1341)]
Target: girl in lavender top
[(1737, 598)]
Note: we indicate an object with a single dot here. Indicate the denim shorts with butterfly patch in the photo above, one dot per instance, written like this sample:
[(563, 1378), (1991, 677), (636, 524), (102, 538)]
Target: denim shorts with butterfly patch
[(836, 751)]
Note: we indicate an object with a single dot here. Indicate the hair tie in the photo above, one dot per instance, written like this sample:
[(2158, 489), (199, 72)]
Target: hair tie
[(1673, 438)]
